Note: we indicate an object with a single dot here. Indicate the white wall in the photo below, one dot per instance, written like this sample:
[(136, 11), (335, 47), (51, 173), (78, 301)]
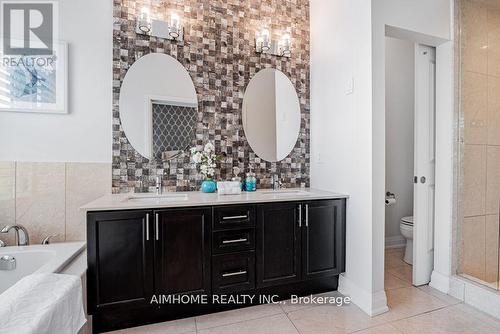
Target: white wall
[(348, 131), (341, 130), (83, 135), (399, 142)]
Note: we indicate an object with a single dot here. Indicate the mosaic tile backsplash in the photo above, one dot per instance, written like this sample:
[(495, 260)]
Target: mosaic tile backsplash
[(219, 54)]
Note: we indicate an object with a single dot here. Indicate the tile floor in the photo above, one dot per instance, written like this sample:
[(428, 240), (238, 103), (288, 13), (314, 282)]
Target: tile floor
[(412, 310)]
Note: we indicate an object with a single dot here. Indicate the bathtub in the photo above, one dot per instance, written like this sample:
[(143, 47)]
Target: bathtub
[(38, 259)]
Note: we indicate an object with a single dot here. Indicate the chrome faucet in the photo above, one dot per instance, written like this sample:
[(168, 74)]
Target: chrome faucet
[(22, 237), (276, 183), (158, 186), (46, 240)]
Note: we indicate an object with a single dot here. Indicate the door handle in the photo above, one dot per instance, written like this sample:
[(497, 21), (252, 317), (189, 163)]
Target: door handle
[(300, 215), (307, 215), (147, 226), (157, 232), (423, 180)]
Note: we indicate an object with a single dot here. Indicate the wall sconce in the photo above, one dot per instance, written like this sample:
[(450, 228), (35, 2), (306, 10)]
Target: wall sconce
[(263, 41), (265, 44), (285, 46), (144, 21), (157, 28)]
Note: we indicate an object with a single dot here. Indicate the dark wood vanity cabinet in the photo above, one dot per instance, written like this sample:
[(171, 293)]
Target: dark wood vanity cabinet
[(182, 251), (323, 239), (299, 241), (263, 249), (278, 244), (135, 254), (120, 255)]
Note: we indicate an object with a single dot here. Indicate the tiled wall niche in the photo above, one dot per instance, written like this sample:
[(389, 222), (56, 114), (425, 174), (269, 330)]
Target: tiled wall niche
[(480, 96), (46, 197), (219, 54)]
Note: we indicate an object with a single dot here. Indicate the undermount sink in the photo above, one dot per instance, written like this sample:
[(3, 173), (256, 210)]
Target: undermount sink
[(158, 198), (279, 193)]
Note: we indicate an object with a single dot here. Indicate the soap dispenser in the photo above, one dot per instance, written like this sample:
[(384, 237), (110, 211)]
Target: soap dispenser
[(236, 177), (250, 182)]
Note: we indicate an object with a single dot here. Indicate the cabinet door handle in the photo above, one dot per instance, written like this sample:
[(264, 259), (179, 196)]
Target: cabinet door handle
[(307, 215), (235, 217), (236, 273), (157, 231), (147, 226), (234, 241), (300, 215)]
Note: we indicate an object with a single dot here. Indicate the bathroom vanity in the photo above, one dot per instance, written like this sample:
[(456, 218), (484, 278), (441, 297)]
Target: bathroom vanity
[(267, 243), (153, 258)]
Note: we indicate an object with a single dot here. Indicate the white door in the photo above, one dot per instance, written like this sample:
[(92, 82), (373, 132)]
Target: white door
[(424, 185)]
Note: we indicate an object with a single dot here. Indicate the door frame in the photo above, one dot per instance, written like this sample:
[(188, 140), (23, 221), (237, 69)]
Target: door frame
[(446, 145)]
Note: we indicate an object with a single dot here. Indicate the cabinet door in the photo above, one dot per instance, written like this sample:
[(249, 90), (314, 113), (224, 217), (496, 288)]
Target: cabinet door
[(120, 259), (323, 239), (182, 251), (278, 244)]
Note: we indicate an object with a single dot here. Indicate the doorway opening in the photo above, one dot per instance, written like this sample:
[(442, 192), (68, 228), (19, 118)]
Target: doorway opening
[(410, 162)]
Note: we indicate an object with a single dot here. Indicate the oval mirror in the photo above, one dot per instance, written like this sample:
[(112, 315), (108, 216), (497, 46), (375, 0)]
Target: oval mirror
[(158, 107), (271, 115)]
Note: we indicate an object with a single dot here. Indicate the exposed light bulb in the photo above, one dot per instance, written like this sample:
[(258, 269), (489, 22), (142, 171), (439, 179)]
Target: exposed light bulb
[(265, 40), (285, 45), (175, 21)]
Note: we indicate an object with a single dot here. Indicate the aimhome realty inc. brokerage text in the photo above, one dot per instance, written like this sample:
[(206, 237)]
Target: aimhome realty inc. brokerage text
[(245, 299)]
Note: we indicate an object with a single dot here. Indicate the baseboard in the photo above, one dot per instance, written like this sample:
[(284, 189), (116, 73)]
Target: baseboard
[(397, 241), (371, 303), (440, 282), (457, 288), (480, 297)]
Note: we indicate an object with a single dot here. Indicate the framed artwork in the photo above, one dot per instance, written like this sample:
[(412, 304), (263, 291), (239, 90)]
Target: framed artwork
[(35, 84)]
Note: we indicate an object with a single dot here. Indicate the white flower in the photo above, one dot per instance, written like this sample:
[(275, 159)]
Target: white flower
[(236, 170), (209, 147), (197, 157), (206, 158)]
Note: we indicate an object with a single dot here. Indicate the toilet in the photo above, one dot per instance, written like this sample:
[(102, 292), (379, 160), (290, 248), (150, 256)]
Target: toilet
[(406, 228)]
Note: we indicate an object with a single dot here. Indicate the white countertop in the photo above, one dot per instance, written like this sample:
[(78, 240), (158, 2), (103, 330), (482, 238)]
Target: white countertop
[(132, 201)]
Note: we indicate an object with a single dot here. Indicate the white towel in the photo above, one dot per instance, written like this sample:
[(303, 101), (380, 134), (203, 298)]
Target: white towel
[(43, 303)]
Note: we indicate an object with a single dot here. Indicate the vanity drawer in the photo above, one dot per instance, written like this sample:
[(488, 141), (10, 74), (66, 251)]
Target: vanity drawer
[(233, 241), (235, 216), (233, 272)]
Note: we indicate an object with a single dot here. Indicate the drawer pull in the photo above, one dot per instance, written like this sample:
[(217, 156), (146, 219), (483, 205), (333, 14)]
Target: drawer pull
[(235, 217), (235, 241), (236, 273)]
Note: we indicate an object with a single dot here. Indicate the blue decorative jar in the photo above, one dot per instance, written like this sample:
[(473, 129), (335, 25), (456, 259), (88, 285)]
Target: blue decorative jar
[(250, 182), (208, 186)]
